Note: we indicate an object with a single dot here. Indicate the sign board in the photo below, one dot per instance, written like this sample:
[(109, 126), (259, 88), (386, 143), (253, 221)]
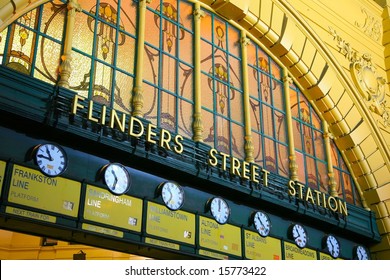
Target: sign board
[(2, 171), (223, 238), (30, 214), (30, 187), (327, 257), (161, 243), (102, 230), (260, 248), (293, 252), (120, 211), (174, 225)]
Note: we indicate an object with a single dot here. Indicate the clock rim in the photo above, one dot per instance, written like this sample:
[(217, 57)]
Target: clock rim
[(227, 204), (35, 153), (268, 218), (127, 175), (326, 245), (160, 188)]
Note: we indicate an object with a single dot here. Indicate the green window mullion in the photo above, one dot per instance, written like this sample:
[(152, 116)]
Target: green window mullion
[(160, 67), (93, 57), (35, 47), (114, 69), (7, 42)]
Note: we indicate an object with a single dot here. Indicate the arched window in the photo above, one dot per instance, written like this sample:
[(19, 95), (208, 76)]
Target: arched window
[(104, 64)]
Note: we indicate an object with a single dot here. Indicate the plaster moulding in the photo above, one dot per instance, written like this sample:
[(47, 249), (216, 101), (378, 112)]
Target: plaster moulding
[(371, 86)]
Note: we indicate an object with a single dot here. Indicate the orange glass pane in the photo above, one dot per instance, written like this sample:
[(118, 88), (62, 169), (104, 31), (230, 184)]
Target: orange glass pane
[(186, 47), (207, 93), (168, 111), (255, 115), (105, 42), (102, 87), (258, 151), (168, 74), (152, 32), (185, 119), (151, 69), (185, 78), (126, 53), (237, 141), (283, 160), (208, 132), (268, 125), (150, 103)]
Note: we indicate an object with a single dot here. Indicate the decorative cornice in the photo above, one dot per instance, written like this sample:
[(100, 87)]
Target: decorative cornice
[(371, 26)]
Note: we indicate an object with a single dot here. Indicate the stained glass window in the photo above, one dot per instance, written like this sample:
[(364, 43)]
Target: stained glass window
[(309, 142), (35, 42), (103, 54), (168, 66), (222, 101), (267, 112), (345, 185)]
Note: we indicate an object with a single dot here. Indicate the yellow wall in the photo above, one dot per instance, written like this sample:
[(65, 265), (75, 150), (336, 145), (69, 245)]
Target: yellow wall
[(325, 45)]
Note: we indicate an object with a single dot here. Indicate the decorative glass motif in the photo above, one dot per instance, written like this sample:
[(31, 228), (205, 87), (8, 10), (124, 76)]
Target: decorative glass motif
[(267, 112), (221, 86), (168, 71), (107, 47), (309, 142)]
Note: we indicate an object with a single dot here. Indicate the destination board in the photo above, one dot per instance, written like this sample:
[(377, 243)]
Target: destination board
[(175, 225), (161, 243), (30, 214), (2, 171), (327, 257), (223, 238), (30, 187), (262, 248), (120, 211), (293, 252), (102, 230)]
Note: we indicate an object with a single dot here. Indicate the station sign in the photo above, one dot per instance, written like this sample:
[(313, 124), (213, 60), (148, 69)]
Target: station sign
[(175, 225), (31, 188), (261, 248), (223, 238), (106, 208), (293, 252)]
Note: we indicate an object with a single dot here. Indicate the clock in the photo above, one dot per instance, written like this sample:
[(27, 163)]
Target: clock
[(117, 178), (262, 223), (172, 194), (361, 253), (51, 159), (219, 210), (299, 235), (332, 245)]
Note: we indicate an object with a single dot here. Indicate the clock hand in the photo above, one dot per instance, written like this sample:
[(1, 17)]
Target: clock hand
[(115, 181), (219, 205), (42, 156), (48, 153)]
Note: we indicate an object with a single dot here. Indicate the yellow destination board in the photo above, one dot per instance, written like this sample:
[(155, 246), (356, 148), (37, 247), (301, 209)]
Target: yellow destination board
[(120, 211), (293, 252), (174, 225), (2, 171), (327, 257), (223, 238), (260, 248), (102, 230), (161, 243), (31, 188)]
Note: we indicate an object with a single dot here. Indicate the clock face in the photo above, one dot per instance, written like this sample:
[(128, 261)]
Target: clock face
[(172, 195), (117, 178), (299, 235), (51, 159), (361, 253), (219, 210), (262, 223), (333, 246)]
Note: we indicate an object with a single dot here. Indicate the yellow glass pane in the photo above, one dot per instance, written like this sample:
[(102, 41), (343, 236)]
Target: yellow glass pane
[(79, 80), (168, 112), (47, 60), (185, 78), (185, 119), (3, 37), (186, 47), (105, 42), (53, 17), (21, 53), (83, 33), (123, 88), (150, 103), (102, 88)]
